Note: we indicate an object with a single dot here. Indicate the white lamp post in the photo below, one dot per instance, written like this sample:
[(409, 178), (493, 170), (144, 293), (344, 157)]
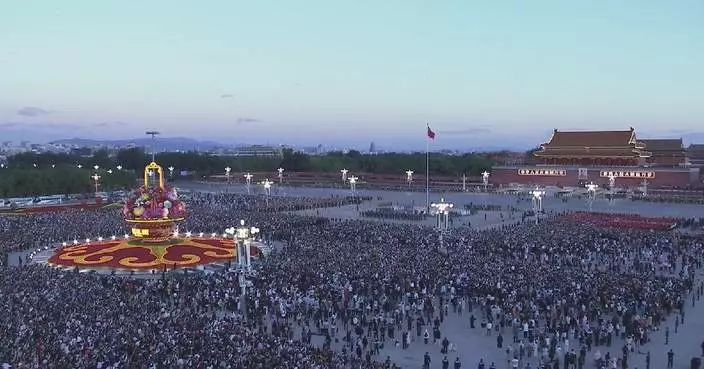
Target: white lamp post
[(248, 179), (464, 182), (537, 202), (344, 175), (442, 208), (591, 193), (119, 167), (243, 236), (353, 184), (227, 174), (171, 171), (281, 175), (409, 177), (109, 171), (79, 166), (96, 167), (645, 187), (485, 179), (612, 182), (267, 189), (96, 180)]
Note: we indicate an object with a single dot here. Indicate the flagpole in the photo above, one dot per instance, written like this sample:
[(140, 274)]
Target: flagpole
[(427, 173)]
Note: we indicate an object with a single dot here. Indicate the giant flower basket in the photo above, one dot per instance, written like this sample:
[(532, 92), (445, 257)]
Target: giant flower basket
[(154, 208)]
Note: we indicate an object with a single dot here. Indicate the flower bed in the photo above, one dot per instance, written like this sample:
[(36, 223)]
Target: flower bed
[(623, 221)]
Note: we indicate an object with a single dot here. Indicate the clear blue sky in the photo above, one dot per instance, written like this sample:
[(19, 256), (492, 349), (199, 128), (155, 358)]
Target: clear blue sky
[(481, 72)]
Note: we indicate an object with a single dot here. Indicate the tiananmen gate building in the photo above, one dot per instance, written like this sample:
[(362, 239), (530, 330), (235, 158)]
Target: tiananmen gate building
[(574, 158)]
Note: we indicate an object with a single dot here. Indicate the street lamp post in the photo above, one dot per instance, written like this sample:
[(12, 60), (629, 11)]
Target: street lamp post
[(537, 202), (79, 166), (353, 184), (248, 179), (344, 175), (119, 167), (645, 187), (227, 174), (612, 182), (485, 180), (243, 236), (267, 189), (96, 180), (281, 175), (96, 167), (591, 193), (409, 177), (464, 182), (171, 172), (442, 208)]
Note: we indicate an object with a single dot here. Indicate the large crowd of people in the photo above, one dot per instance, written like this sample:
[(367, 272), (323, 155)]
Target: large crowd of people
[(340, 294)]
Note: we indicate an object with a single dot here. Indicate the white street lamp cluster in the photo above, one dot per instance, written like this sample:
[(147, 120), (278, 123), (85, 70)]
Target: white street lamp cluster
[(281, 175), (442, 211), (353, 184), (591, 193), (227, 174), (248, 179), (344, 175), (409, 177), (485, 180), (537, 200)]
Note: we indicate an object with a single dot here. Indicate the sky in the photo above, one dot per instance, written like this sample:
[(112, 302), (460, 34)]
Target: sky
[(489, 73)]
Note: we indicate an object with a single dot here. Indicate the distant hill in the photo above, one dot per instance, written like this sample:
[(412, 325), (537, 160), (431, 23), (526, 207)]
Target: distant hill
[(161, 144)]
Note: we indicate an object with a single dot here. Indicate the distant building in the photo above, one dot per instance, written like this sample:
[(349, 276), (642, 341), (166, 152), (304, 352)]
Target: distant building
[(258, 150), (696, 155), (573, 158)]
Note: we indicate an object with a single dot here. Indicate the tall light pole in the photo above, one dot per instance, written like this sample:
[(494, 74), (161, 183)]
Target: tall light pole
[(96, 180), (344, 175), (171, 172), (464, 182), (281, 175), (485, 180), (153, 134), (243, 236), (442, 209), (591, 193), (248, 179), (267, 189), (227, 174), (612, 182), (353, 184), (645, 187), (537, 202), (409, 177)]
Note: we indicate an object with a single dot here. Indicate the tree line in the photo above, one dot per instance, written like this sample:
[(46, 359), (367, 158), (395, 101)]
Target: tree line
[(32, 173)]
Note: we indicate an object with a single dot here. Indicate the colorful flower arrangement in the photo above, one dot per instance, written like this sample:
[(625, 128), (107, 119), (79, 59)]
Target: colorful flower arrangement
[(154, 203)]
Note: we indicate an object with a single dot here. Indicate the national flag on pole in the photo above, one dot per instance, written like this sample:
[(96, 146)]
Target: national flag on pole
[(431, 134)]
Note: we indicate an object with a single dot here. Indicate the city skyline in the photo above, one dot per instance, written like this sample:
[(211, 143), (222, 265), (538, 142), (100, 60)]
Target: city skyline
[(499, 73)]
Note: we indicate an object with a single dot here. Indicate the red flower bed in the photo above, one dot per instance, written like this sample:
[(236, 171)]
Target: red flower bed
[(54, 208), (623, 221), (130, 254)]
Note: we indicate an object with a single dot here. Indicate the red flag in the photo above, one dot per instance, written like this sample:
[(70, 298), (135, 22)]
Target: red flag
[(431, 134)]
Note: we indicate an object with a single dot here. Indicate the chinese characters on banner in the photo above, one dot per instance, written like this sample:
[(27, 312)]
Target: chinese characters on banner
[(644, 174), (542, 172)]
